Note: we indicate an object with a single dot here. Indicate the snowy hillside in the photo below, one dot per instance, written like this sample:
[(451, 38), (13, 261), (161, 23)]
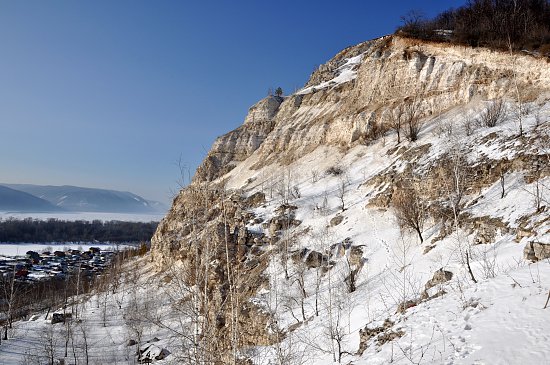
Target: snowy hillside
[(454, 322), (395, 210), (352, 243)]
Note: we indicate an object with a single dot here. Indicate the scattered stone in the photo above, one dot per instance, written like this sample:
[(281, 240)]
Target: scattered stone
[(356, 256), (383, 333), (60, 317), (403, 306), (336, 220), (315, 259), (149, 352), (440, 276), (522, 233), (428, 248), (255, 200)]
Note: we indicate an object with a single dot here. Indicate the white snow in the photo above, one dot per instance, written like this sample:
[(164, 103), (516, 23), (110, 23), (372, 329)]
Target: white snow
[(497, 321), (345, 73)]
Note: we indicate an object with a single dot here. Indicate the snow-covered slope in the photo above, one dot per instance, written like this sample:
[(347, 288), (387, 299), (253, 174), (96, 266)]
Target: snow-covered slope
[(315, 202), (294, 243)]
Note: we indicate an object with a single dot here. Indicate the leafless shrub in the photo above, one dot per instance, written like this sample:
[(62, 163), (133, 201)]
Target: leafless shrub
[(494, 113), (376, 130), (488, 260), (445, 129), (295, 192), (395, 119), (468, 125), (334, 171), (410, 208), (412, 121), (314, 176), (342, 188)]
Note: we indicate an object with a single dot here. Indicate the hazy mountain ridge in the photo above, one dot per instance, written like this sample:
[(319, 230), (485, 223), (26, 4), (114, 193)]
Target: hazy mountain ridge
[(15, 200), (81, 199)]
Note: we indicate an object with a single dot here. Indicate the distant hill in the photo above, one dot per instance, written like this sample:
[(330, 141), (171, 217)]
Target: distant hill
[(80, 199), (15, 200)]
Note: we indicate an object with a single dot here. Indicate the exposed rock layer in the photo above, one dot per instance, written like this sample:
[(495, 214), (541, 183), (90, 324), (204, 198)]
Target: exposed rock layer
[(206, 218)]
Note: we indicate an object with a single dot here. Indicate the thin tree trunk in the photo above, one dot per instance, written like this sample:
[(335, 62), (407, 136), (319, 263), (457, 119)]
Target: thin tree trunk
[(419, 234), (502, 185), (470, 268)]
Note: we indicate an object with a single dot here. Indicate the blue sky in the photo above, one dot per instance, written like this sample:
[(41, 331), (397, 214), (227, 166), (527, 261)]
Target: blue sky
[(110, 93)]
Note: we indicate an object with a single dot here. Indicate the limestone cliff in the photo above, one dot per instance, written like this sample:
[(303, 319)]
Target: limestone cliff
[(390, 70), (221, 222), (237, 145)]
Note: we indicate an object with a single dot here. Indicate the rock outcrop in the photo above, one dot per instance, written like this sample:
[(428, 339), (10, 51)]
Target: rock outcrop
[(237, 145), (391, 70), (208, 226), (535, 251)]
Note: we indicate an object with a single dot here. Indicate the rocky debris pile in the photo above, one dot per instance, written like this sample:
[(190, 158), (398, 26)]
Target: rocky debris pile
[(380, 334)]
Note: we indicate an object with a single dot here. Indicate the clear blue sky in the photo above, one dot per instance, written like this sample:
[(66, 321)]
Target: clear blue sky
[(109, 93)]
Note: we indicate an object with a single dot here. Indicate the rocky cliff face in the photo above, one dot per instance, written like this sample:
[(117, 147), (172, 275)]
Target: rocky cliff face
[(247, 200), (336, 109), (235, 146)]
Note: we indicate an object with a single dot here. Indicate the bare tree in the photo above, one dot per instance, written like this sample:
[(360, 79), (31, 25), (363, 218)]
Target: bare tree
[(519, 111), (401, 283), (10, 295), (343, 182), (457, 190), (395, 118), (84, 344), (338, 306), (410, 209), (49, 340), (411, 114)]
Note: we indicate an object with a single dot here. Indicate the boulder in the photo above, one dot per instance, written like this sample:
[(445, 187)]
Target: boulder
[(336, 220), (440, 276), (315, 259), (255, 200), (535, 251), (60, 317)]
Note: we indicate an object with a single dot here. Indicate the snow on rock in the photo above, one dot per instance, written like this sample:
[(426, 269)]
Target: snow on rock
[(345, 73)]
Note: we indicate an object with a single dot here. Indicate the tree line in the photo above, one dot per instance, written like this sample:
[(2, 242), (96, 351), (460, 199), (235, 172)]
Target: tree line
[(54, 230), (501, 24)]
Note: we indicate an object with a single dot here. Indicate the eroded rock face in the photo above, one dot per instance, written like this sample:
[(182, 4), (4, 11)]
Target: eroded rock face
[(240, 143), (264, 110), (391, 70), (205, 235), (382, 334), (535, 251)]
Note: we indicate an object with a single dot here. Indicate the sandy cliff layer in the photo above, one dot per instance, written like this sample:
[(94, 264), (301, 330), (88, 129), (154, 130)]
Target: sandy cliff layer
[(339, 102)]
